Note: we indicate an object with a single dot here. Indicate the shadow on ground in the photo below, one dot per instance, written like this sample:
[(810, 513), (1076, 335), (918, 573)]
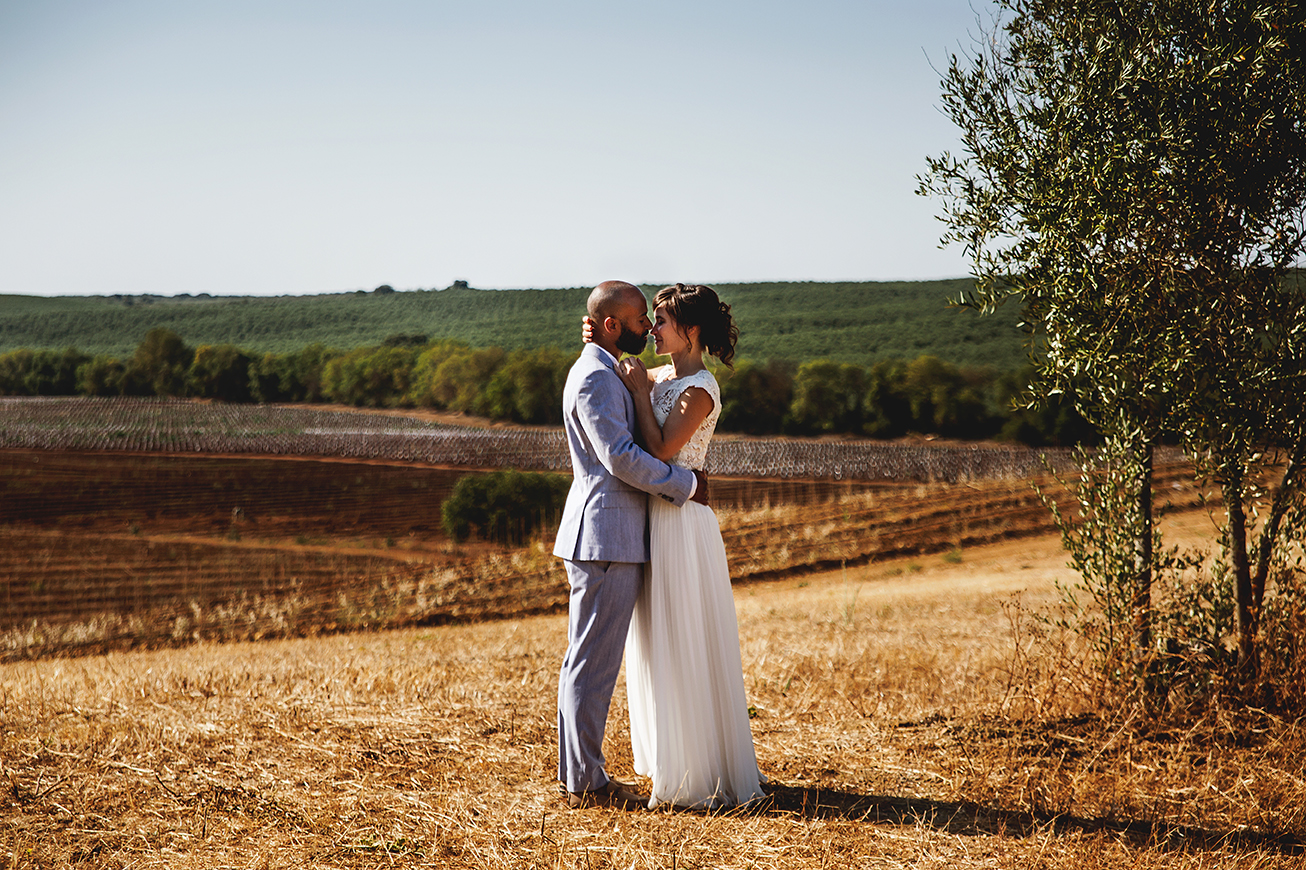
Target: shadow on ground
[(967, 818)]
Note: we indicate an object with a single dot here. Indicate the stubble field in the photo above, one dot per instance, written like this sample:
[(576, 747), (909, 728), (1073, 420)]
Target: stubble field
[(398, 708), (909, 714)]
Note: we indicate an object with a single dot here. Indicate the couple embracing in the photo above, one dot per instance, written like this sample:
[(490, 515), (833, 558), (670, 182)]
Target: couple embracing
[(673, 617)]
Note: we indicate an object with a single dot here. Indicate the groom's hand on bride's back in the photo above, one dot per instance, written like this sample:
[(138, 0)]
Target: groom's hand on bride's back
[(700, 491)]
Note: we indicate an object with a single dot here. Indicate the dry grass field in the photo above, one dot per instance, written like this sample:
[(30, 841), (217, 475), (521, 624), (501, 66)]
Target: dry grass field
[(909, 714)]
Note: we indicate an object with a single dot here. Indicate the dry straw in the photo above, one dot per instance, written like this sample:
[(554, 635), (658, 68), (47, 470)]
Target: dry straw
[(907, 716)]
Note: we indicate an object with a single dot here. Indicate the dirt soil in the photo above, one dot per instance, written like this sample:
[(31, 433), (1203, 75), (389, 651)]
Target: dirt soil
[(114, 549)]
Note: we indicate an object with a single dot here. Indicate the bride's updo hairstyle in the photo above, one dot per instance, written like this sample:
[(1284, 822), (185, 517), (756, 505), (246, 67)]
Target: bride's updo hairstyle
[(698, 305)]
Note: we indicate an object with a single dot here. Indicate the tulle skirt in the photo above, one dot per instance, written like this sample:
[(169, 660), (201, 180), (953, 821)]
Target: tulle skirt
[(689, 722)]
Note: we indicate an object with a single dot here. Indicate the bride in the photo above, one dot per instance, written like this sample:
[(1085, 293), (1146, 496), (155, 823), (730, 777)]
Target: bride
[(684, 681)]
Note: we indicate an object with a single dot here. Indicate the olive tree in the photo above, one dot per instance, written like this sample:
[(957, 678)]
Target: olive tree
[(1133, 174)]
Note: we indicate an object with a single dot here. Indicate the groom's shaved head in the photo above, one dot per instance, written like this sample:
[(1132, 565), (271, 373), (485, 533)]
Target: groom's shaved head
[(620, 315), (609, 298)]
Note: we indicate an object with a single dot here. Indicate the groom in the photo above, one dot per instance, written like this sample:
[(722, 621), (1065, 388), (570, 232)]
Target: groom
[(603, 537)]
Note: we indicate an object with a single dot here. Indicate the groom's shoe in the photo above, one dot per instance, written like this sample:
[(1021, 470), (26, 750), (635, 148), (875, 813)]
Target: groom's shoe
[(611, 794)]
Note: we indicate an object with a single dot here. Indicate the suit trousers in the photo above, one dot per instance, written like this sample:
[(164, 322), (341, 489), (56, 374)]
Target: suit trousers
[(601, 603)]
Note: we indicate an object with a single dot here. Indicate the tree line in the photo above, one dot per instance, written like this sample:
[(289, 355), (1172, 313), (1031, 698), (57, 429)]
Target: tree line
[(888, 399)]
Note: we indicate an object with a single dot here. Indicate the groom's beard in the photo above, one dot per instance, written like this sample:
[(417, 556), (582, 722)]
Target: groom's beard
[(631, 342)]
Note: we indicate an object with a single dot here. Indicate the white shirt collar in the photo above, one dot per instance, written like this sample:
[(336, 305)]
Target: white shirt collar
[(610, 357)]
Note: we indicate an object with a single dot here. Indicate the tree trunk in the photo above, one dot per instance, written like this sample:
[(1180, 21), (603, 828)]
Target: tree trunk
[(1236, 531), (1142, 567), (1283, 496)]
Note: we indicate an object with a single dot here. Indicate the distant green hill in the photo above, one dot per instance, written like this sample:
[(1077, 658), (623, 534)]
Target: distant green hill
[(850, 322)]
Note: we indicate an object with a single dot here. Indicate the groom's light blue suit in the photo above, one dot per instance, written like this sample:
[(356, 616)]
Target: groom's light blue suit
[(603, 540)]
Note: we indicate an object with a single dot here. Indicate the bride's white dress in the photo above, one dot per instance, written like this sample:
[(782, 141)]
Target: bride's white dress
[(689, 723)]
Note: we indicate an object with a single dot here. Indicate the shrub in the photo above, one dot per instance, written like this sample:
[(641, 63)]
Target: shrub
[(101, 376), (159, 366), (755, 398), (944, 399), (887, 411), (827, 397), (527, 388), (40, 373), (376, 377), (1049, 421), (453, 378), (504, 506), (292, 377), (220, 372)]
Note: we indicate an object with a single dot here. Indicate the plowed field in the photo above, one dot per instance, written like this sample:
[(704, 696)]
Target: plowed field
[(105, 549)]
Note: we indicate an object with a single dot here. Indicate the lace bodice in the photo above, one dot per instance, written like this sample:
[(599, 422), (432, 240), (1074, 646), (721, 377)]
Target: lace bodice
[(666, 390)]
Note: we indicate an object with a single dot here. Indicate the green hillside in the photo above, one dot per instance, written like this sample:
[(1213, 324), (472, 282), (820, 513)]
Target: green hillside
[(850, 322)]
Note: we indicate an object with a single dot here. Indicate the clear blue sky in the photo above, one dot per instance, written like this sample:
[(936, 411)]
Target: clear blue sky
[(280, 147)]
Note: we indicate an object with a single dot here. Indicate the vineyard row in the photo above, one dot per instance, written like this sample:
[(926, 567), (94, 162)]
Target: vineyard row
[(179, 426)]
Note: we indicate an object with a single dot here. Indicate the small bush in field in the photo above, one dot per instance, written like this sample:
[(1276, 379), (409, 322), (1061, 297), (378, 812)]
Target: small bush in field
[(504, 506)]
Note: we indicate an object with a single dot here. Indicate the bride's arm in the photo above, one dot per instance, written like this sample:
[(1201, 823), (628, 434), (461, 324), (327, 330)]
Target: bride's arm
[(691, 409)]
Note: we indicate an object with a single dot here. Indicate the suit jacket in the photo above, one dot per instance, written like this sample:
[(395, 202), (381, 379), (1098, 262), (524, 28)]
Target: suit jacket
[(606, 516)]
